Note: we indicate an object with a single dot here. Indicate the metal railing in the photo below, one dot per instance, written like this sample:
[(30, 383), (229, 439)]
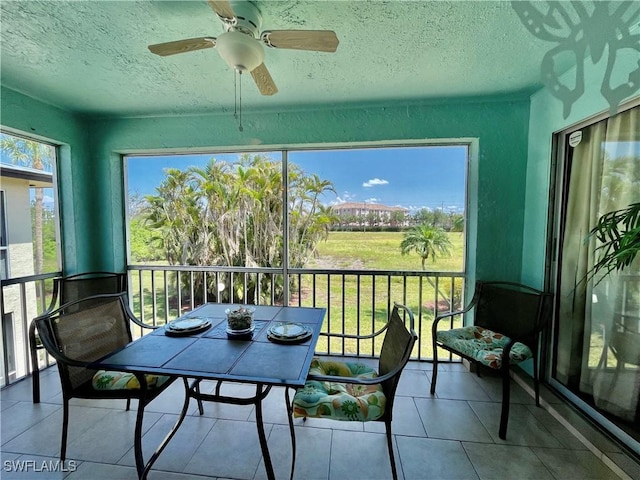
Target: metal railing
[(21, 300), (357, 301)]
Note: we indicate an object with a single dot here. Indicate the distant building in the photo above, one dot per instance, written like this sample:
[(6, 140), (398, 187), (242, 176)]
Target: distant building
[(16, 257), (383, 214)]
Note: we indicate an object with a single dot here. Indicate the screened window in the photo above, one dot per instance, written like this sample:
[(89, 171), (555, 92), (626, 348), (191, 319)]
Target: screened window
[(378, 210), (30, 229)]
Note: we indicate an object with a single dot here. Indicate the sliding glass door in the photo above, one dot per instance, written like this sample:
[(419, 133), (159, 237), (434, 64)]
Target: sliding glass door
[(597, 333)]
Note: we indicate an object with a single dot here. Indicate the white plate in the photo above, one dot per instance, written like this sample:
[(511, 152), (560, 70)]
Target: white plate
[(288, 330), (187, 324)]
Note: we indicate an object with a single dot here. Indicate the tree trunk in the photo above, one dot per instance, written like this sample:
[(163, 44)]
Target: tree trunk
[(38, 211)]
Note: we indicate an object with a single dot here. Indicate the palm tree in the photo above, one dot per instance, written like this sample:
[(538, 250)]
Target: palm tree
[(35, 155), (232, 214), (427, 241)]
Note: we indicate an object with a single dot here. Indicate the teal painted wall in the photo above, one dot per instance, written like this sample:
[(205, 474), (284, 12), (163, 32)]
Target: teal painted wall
[(28, 116), (547, 118), (92, 184)]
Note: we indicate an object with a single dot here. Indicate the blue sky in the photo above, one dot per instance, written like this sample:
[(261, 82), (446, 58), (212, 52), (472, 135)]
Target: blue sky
[(410, 177)]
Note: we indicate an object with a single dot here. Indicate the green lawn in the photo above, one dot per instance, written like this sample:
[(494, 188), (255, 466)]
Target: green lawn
[(350, 299), (381, 251)]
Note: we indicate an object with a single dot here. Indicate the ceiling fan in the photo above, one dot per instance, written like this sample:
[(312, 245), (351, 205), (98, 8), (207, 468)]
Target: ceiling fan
[(241, 45)]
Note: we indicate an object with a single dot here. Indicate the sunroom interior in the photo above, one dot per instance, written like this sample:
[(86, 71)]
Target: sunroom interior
[(80, 76)]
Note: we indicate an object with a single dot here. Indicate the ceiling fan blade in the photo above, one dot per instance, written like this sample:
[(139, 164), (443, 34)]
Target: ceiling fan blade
[(315, 40), (223, 10), (263, 80), (182, 46)]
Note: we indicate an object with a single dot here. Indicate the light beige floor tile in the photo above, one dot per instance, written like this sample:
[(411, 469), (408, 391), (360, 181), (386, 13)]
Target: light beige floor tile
[(231, 450), (431, 435), (506, 462), (180, 449), (103, 471), (492, 384), (109, 438), (459, 386), (426, 458), (359, 455), (44, 437), (586, 429), (626, 463), (578, 465), (558, 430), (452, 420), (21, 416), (313, 449), (523, 428), (405, 420), (414, 383)]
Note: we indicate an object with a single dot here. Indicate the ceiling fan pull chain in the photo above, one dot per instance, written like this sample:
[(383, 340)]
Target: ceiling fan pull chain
[(240, 106), (235, 94)]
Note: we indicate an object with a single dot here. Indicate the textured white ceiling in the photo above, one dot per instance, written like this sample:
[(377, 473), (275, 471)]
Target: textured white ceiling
[(92, 56)]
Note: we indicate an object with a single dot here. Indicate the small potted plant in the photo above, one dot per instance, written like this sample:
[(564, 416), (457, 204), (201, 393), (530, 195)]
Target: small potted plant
[(240, 321)]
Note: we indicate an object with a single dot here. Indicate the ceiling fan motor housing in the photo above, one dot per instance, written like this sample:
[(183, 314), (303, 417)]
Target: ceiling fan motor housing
[(248, 18)]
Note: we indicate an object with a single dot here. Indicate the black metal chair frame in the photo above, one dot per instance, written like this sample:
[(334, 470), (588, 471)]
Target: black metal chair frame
[(530, 337), (389, 376), (144, 395), (59, 297)]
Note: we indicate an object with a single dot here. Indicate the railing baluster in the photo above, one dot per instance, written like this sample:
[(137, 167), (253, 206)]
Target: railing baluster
[(328, 311), (205, 297), (355, 312), (166, 298), (191, 289), (419, 312), (154, 305), (21, 299), (179, 290), (358, 280)]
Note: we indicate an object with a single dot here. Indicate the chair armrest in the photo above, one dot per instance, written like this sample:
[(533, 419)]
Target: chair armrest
[(132, 317), (355, 337), (356, 380), (370, 335), (434, 325)]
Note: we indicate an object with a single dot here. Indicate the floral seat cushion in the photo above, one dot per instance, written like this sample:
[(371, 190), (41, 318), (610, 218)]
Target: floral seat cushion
[(106, 380), (483, 345), (340, 401)]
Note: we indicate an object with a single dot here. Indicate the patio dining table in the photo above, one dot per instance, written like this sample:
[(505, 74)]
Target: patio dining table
[(212, 355)]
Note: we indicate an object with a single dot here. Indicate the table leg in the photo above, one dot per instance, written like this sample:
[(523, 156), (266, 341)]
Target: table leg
[(292, 431), (261, 435), (169, 436)]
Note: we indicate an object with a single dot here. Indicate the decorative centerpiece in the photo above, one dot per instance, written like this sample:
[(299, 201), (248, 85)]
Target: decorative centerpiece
[(240, 322)]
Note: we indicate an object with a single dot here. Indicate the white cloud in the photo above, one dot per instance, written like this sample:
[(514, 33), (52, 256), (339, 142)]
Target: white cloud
[(372, 200), (374, 181), (344, 198)]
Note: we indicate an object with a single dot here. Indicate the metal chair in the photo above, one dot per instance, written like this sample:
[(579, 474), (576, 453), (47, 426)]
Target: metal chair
[(508, 320), (65, 290), (362, 393), (83, 331)]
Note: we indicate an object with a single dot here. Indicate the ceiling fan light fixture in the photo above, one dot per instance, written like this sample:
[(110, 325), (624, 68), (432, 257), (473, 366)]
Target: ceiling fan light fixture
[(240, 51)]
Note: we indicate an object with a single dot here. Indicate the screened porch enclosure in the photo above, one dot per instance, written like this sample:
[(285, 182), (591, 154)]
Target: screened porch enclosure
[(80, 76)]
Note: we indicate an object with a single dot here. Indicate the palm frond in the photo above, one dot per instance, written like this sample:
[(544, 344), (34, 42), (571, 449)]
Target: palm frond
[(618, 233)]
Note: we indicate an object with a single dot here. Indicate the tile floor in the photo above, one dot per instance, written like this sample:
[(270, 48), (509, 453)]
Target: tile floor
[(451, 436)]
